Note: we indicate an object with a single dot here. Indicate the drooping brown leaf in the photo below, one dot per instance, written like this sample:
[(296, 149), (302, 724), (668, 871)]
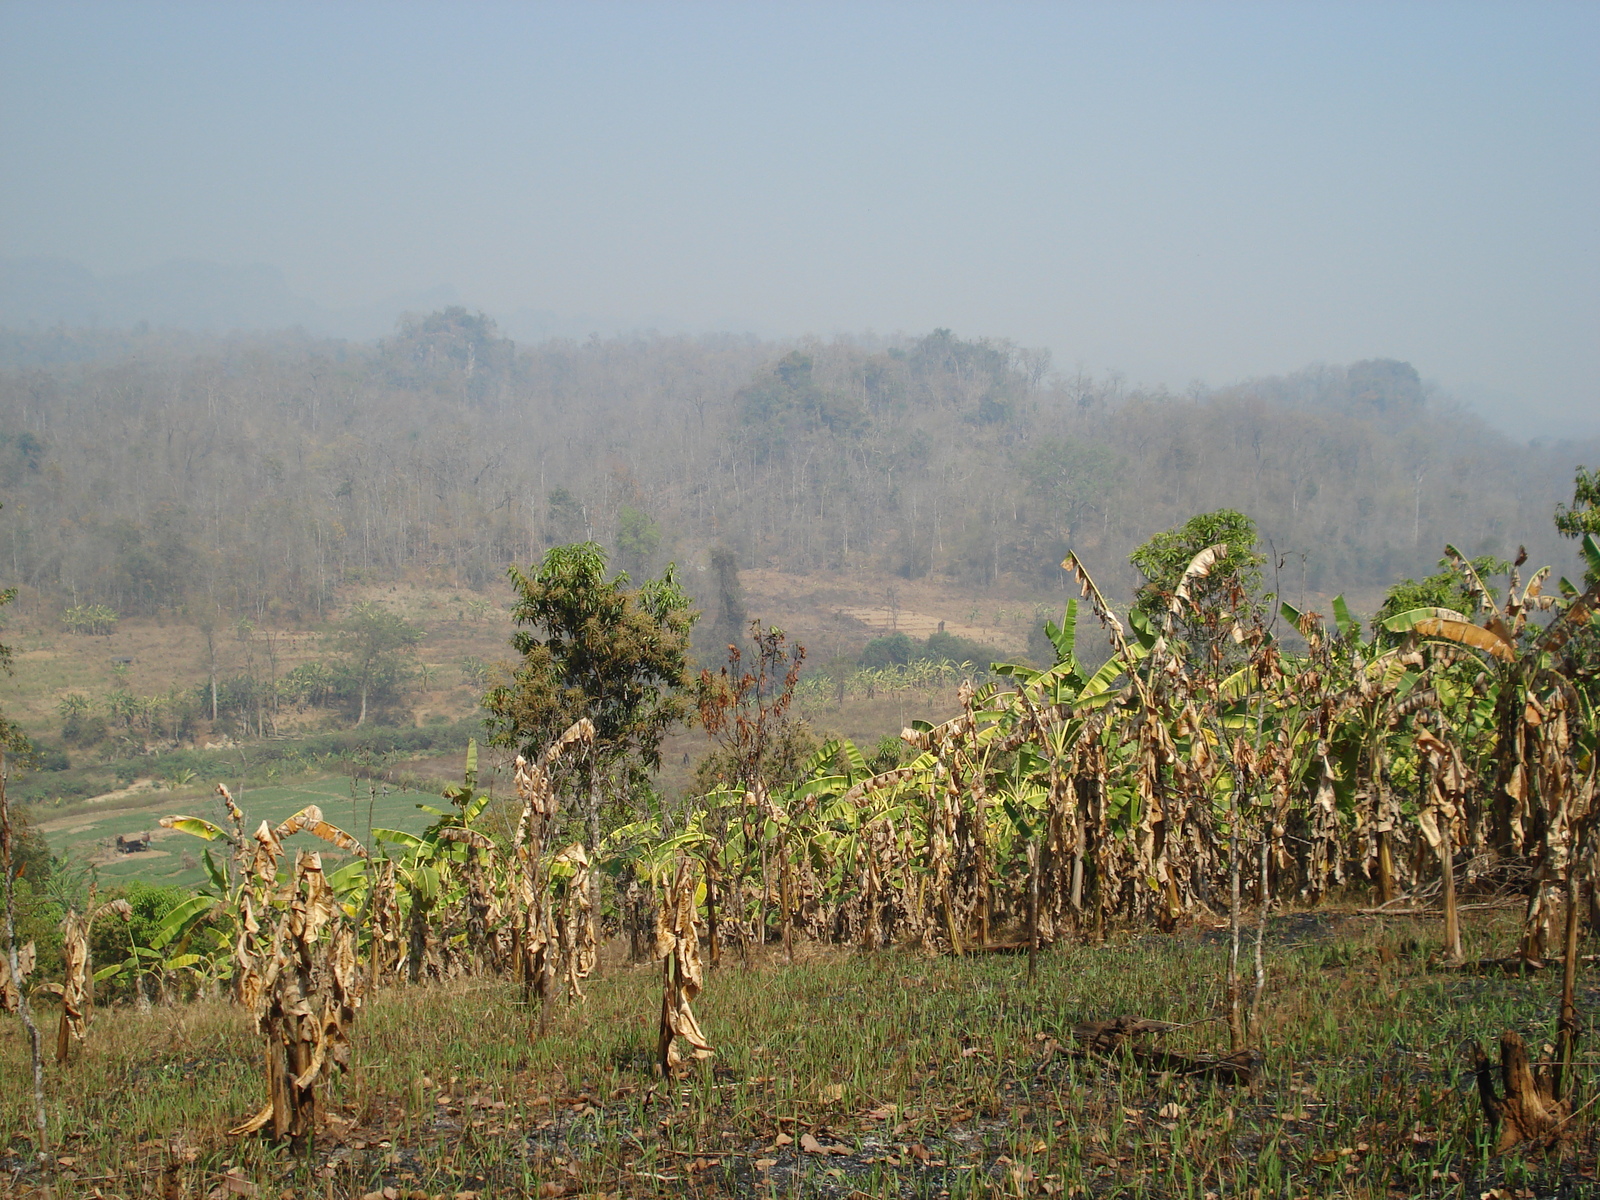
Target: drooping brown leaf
[(466, 836), (304, 988), (573, 921), (1475, 586), (264, 862), (677, 944), (78, 970), (1097, 601), (532, 780), (309, 820), (1577, 615), (1199, 567), (1467, 634)]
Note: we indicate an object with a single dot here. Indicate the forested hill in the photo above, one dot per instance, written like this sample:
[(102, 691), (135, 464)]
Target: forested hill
[(145, 470)]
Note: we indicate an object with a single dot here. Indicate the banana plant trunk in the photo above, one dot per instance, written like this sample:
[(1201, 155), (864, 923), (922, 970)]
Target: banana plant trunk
[(1447, 876)]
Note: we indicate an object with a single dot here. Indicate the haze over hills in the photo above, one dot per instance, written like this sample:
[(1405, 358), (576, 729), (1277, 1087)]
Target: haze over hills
[(189, 295), (258, 474), (195, 296)]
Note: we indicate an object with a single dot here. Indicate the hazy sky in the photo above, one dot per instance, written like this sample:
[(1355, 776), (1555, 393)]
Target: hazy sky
[(1176, 191)]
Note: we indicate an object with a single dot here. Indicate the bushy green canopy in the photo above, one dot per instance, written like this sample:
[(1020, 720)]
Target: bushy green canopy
[(1163, 559), (598, 648), (1583, 515)]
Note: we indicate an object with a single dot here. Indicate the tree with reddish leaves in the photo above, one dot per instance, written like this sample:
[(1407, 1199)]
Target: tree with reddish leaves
[(745, 708)]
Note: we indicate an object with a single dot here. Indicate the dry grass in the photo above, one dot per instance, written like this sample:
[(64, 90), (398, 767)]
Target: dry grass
[(915, 1076), (832, 614), (51, 662)]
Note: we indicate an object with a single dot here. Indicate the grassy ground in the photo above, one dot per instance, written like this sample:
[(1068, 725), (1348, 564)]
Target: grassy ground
[(912, 1076), (166, 653), (86, 833)]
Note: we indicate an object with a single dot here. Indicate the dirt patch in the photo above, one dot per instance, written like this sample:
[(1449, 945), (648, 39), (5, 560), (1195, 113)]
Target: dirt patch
[(921, 625), (836, 612)]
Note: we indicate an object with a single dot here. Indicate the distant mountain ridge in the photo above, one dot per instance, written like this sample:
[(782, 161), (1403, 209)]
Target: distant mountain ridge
[(197, 297), (204, 297)]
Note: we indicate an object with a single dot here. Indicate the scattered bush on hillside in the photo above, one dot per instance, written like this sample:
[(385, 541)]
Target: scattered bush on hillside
[(90, 619), (899, 650)]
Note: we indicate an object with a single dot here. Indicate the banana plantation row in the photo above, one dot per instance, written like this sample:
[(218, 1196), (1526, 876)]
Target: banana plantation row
[(1202, 769)]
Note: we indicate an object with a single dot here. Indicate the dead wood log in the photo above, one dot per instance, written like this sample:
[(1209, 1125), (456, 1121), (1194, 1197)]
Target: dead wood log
[(1527, 1110), (1239, 1067), (998, 948), (1103, 1037), (1121, 1033)]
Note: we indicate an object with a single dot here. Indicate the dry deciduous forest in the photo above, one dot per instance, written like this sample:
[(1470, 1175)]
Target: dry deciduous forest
[(150, 471)]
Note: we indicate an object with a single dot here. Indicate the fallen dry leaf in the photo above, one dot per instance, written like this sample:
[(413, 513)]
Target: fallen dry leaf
[(811, 1145)]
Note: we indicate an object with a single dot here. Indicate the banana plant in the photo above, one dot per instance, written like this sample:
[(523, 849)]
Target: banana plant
[(204, 934), (447, 864), (1534, 706)]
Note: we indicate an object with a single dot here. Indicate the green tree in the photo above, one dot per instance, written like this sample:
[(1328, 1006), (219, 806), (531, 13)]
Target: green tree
[(888, 650), (374, 643), (1583, 516), (1386, 387), (452, 351), (638, 538), (1236, 575), (19, 852), (30, 853), (598, 648), (945, 647), (565, 519), (114, 938), (1445, 588), (1071, 477)]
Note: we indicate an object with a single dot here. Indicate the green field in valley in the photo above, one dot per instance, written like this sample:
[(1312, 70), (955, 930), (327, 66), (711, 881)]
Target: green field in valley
[(87, 833)]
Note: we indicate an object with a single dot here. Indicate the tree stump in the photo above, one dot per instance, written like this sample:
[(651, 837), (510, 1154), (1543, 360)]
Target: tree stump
[(1528, 1110)]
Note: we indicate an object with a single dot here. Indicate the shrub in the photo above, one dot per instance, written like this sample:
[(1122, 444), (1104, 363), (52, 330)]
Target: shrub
[(90, 619), (894, 649), (949, 648)]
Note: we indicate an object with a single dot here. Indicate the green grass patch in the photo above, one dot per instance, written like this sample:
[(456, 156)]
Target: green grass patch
[(88, 832)]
